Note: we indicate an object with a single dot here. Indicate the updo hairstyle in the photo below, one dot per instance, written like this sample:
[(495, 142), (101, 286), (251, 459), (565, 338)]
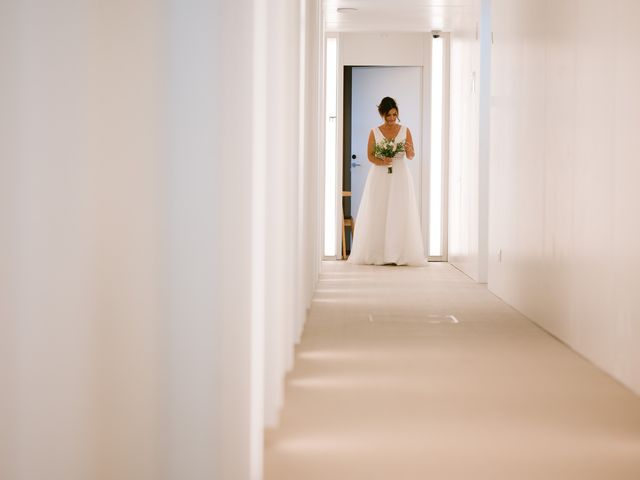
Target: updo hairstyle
[(386, 105)]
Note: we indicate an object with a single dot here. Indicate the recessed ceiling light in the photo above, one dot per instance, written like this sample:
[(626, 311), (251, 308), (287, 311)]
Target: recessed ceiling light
[(346, 9)]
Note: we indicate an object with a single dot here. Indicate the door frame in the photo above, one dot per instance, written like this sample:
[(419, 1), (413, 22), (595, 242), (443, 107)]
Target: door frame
[(347, 77), (347, 149), (419, 56)]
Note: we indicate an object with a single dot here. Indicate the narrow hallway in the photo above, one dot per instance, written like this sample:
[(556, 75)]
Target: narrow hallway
[(421, 373)]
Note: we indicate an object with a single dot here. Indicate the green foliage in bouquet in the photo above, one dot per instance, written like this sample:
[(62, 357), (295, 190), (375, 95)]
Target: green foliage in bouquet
[(388, 148)]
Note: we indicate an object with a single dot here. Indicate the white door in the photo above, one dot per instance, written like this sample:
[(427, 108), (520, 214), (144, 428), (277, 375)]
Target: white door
[(369, 86)]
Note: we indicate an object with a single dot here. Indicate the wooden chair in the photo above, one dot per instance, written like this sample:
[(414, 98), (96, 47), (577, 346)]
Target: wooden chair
[(347, 221)]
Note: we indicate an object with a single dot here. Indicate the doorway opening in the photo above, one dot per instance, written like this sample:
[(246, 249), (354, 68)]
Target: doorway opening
[(364, 87), (421, 92)]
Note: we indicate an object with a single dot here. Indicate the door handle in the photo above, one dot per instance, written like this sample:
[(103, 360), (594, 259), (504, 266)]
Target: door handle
[(354, 164)]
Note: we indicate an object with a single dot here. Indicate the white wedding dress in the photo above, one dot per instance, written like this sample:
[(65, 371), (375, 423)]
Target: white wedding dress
[(387, 222)]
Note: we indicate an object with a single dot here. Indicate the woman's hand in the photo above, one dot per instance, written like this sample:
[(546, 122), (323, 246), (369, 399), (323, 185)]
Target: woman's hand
[(408, 146), (409, 149), (386, 161)]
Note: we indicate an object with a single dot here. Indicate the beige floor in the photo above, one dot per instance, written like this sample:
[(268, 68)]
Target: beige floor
[(420, 373)]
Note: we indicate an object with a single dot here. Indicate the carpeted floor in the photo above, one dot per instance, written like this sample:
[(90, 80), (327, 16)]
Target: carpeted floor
[(422, 374)]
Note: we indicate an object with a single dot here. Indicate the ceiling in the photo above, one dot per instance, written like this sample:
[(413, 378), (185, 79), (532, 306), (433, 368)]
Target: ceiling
[(399, 15)]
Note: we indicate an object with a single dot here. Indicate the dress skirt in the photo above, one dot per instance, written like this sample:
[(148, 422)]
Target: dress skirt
[(387, 223)]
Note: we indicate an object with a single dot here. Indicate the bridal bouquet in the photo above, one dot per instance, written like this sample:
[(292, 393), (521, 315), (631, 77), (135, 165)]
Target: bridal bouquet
[(388, 148)]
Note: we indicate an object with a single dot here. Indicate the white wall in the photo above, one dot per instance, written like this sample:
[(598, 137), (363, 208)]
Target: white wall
[(311, 221), (387, 49), (133, 253), (281, 208), (463, 247), (291, 202), (564, 173), (468, 200), (79, 174), (208, 233)]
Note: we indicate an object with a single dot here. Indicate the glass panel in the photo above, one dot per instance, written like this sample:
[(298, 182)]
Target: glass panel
[(436, 170), (330, 150)]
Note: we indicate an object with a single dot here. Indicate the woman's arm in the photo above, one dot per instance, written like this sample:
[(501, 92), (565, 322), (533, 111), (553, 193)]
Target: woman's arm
[(370, 146), (409, 150), (370, 149)]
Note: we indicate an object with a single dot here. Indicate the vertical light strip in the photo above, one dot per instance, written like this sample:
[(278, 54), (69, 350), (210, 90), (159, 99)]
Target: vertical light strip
[(436, 170), (330, 150)]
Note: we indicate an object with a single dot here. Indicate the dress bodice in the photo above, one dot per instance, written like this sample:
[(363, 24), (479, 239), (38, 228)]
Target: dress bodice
[(400, 137)]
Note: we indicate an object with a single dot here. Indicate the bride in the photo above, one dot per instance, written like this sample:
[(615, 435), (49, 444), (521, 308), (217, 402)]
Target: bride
[(388, 225)]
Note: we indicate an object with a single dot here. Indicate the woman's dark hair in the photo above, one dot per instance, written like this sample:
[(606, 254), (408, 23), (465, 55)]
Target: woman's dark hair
[(386, 105)]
